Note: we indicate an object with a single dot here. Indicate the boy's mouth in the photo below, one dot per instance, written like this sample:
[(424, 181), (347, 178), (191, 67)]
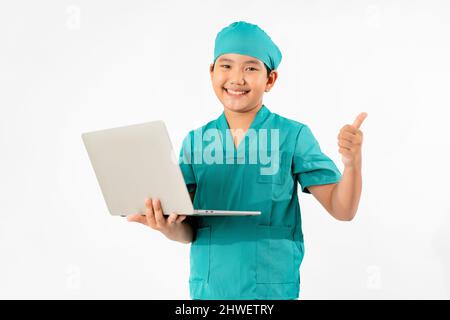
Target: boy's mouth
[(236, 93)]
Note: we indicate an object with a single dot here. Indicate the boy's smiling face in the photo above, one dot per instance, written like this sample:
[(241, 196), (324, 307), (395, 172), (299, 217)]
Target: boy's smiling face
[(240, 81)]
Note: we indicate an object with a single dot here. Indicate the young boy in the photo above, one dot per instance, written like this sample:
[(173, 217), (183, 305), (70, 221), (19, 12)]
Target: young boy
[(251, 159)]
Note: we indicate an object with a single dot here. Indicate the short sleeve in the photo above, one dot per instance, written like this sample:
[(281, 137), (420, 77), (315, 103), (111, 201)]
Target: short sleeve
[(185, 162), (310, 165)]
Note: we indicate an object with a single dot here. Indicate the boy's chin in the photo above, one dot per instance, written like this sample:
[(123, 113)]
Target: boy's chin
[(236, 107)]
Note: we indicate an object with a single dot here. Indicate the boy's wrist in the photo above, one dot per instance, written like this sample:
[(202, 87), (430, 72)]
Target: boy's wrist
[(356, 164)]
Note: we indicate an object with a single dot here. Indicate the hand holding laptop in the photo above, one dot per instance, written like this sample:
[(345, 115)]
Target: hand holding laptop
[(171, 226)]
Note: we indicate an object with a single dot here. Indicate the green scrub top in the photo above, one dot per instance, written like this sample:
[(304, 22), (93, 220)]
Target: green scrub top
[(250, 257)]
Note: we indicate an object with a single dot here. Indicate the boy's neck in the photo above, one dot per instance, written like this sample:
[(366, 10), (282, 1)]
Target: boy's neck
[(241, 120)]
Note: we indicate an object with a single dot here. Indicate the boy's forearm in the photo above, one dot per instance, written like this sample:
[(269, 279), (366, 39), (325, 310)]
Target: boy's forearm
[(347, 193), (183, 233)]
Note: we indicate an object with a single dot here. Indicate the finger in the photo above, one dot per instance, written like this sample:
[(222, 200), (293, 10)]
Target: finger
[(159, 217), (349, 128), (355, 139), (149, 214), (345, 152), (172, 218), (180, 219), (137, 218), (347, 136), (359, 119), (345, 144)]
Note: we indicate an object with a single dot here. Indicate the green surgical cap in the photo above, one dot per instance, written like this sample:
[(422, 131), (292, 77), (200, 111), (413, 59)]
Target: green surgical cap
[(247, 39)]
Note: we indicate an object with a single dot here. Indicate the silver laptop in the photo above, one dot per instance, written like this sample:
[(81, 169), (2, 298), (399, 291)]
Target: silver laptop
[(136, 162)]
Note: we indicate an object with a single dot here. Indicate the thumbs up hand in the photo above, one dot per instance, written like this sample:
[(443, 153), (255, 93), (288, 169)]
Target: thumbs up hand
[(350, 140)]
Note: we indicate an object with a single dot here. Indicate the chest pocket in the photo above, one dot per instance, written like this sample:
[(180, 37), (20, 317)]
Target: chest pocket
[(278, 176)]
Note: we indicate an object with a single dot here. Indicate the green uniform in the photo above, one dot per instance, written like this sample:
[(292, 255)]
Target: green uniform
[(251, 257)]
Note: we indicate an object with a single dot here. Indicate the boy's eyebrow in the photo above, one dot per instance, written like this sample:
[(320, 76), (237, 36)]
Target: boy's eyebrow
[(248, 61)]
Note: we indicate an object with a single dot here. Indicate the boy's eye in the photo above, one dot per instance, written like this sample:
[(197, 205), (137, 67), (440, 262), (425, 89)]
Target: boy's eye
[(227, 66)]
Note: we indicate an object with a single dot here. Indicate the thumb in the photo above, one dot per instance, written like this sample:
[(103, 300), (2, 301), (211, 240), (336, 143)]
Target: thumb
[(359, 119)]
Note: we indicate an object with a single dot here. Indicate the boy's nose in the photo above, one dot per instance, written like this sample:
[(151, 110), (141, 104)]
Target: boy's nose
[(237, 77), (237, 83)]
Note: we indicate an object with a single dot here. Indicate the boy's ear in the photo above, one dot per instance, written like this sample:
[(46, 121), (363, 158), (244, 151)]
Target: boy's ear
[(271, 80), (211, 71)]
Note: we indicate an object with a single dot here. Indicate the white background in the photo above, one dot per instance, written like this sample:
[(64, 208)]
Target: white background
[(67, 67)]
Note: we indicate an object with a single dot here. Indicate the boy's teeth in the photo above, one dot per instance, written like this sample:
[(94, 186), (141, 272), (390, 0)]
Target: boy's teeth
[(235, 92)]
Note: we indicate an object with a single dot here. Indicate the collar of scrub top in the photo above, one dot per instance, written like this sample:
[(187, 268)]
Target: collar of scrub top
[(261, 116)]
